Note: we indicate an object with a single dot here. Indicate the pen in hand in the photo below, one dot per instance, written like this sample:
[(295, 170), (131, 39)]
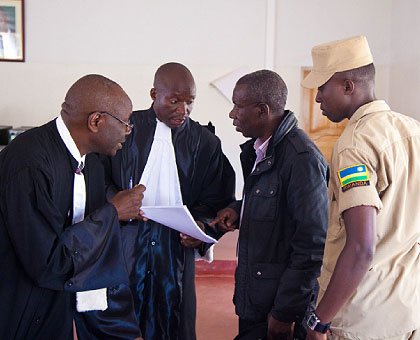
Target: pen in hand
[(130, 186)]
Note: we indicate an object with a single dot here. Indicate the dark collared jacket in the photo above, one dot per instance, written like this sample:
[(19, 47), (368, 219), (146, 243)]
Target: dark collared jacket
[(283, 227)]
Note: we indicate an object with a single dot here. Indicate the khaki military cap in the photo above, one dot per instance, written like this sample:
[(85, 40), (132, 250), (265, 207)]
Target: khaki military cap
[(337, 56)]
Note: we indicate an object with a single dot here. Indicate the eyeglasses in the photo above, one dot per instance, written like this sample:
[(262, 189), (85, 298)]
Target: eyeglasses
[(128, 126)]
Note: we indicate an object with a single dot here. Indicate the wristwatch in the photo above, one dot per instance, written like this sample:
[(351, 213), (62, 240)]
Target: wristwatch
[(315, 324)]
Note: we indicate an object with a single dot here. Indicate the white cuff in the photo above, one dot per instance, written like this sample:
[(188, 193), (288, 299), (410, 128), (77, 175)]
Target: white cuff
[(91, 300), (208, 256)]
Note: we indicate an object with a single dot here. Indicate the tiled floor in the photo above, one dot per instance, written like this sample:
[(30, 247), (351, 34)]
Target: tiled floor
[(216, 319)]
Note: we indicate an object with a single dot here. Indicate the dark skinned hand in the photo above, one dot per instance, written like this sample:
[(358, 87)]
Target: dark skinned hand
[(191, 242), (128, 203), (225, 220), (278, 330), (313, 335)]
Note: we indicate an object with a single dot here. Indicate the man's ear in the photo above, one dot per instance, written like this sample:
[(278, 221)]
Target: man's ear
[(263, 110), (153, 93), (348, 87), (94, 120)]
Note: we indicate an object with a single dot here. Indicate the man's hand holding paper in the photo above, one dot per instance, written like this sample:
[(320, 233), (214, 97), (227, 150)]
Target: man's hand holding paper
[(179, 218), (189, 241)]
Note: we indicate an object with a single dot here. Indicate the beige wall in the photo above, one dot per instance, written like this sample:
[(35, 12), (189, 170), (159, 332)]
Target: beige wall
[(404, 82)]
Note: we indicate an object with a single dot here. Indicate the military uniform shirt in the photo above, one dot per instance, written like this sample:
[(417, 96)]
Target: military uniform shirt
[(376, 162)]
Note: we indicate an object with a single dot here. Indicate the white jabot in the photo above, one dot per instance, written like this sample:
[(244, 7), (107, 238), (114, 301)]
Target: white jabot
[(160, 176), (92, 299)]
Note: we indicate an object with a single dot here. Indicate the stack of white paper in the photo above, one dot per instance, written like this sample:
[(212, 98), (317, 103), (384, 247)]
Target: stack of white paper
[(178, 218)]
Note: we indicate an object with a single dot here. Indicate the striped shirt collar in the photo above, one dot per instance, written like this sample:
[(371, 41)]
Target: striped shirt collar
[(261, 147)]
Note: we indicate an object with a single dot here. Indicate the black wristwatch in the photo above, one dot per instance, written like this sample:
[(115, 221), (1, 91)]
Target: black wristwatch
[(315, 324)]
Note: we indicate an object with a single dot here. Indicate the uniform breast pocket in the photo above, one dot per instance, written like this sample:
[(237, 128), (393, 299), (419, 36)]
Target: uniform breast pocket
[(263, 202)]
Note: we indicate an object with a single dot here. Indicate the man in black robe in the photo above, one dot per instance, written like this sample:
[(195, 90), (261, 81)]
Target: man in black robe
[(160, 261), (44, 257)]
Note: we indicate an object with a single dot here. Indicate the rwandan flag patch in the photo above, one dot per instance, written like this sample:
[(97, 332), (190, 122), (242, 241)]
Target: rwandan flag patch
[(353, 176)]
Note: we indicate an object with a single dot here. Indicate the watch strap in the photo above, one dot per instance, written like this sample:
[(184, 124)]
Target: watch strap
[(322, 327), (315, 324)]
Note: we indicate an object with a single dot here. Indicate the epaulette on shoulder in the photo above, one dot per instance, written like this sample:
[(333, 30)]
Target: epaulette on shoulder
[(299, 140)]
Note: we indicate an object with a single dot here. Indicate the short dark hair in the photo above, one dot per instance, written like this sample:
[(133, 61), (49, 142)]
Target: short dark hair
[(363, 74), (267, 87)]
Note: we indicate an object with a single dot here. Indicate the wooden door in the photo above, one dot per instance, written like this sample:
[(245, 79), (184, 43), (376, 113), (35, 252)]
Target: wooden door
[(319, 128)]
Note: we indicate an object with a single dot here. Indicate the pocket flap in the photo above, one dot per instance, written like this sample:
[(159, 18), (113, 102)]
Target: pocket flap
[(267, 191)]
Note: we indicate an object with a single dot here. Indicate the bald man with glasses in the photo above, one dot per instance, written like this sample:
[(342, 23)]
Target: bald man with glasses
[(58, 235)]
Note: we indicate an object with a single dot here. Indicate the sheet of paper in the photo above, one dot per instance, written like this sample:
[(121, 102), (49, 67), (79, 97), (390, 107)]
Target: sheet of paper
[(178, 218)]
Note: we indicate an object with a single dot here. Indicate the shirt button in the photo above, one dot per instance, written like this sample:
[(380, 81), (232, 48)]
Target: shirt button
[(153, 243), (75, 253), (257, 169), (257, 191), (271, 192), (269, 162), (148, 272), (37, 319), (259, 273), (69, 284)]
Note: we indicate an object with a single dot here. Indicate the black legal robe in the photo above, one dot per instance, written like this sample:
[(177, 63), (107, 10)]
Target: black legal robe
[(162, 270), (43, 258)]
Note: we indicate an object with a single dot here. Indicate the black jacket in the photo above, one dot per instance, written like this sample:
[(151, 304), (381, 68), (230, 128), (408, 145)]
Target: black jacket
[(283, 227)]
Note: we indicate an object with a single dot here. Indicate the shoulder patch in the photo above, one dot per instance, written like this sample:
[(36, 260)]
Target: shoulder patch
[(353, 176)]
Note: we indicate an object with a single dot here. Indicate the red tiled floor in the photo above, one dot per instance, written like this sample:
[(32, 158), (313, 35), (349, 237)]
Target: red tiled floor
[(216, 319)]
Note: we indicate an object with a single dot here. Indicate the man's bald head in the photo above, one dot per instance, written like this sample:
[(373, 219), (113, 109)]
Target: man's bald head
[(94, 93), (96, 111), (173, 94), (173, 75)]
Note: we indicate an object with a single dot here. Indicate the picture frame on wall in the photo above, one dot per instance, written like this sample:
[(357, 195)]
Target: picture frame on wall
[(11, 30)]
